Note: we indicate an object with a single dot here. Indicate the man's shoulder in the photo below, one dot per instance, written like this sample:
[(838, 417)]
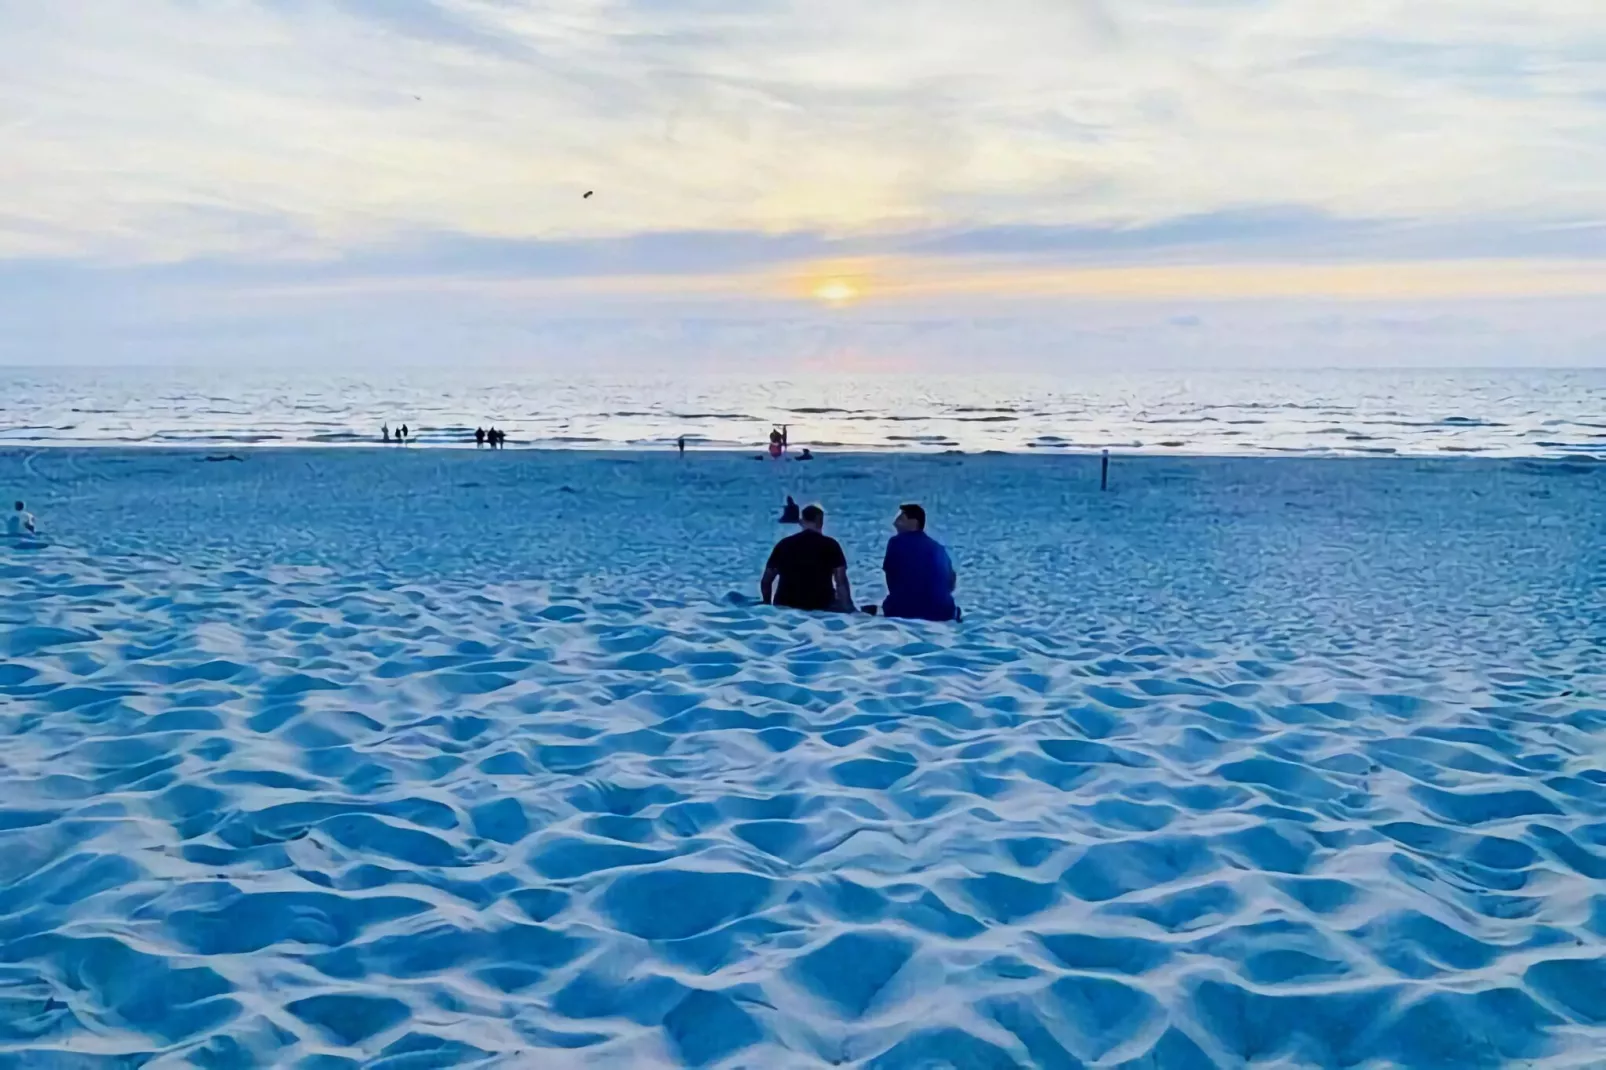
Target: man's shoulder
[(821, 543), (825, 542), (802, 540)]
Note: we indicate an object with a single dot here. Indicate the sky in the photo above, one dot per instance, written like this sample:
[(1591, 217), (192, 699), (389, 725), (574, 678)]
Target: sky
[(905, 185)]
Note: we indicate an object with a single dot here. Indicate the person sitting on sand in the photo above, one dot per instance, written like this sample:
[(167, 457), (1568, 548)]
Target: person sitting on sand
[(20, 522), (810, 569), (920, 574), (789, 514)]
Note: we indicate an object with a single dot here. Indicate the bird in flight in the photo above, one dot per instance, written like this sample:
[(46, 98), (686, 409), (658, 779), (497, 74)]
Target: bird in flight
[(588, 194)]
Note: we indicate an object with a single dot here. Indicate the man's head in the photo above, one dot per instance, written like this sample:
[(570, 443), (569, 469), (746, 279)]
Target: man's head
[(910, 517), (20, 506), (812, 517)]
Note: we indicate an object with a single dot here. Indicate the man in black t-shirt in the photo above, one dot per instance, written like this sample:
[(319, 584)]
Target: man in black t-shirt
[(811, 569)]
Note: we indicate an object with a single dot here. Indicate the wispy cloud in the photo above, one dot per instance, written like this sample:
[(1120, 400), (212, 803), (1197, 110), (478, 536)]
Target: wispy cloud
[(1014, 149)]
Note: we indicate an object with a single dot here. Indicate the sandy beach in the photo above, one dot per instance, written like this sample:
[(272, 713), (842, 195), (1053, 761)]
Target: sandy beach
[(430, 758)]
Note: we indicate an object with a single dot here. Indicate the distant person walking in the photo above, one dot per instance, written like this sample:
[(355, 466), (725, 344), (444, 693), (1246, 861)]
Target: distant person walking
[(21, 522), (920, 574), (680, 444), (808, 570), (479, 437), (385, 431), (777, 443), (401, 434)]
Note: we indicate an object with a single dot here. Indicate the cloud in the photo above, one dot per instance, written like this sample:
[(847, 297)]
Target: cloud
[(179, 166), (282, 127)]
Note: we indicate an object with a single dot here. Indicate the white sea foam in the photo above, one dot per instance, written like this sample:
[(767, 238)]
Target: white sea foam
[(350, 758)]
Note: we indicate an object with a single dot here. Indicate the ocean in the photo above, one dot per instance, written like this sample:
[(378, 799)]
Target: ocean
[(1510, 413)]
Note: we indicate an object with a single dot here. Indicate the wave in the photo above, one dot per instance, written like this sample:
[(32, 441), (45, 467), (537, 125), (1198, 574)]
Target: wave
[(242, 437), (1414, 415)]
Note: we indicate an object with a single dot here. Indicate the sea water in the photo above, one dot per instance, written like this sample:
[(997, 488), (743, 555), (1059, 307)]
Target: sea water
[(1514, 413)]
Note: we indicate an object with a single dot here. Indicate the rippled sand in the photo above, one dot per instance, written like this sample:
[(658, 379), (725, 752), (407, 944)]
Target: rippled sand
[(403, 761)]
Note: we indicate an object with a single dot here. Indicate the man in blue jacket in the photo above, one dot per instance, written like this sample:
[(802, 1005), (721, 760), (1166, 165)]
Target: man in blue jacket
[(920, 574)]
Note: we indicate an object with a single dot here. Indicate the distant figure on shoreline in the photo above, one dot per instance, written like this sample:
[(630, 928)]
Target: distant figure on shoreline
[(479, 437), (790, 515), (401, 434), (384, 430), (805, 455), (680, 444), (808, 570), (21, 522), (496, 438), (920, 574)]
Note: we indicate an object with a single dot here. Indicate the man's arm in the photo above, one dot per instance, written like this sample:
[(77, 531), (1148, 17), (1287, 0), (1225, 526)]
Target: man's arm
[(844, 590), (766, 585)]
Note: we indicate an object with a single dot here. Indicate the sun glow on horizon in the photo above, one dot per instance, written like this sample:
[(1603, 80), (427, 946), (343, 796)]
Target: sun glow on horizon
[(836, 291)]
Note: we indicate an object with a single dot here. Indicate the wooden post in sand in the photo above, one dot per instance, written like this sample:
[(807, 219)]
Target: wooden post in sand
[(1104, 472)]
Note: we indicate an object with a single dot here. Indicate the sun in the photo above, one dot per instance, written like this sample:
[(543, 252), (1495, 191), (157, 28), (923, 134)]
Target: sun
[(836, 291)]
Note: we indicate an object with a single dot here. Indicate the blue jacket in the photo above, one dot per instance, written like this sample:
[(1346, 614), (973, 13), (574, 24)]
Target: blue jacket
[(920, 578)]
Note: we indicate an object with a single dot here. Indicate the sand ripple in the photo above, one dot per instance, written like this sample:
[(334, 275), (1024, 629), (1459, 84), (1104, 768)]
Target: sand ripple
[(282, 817)]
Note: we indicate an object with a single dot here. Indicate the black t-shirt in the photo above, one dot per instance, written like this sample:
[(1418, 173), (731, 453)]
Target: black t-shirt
[(806, 562)]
